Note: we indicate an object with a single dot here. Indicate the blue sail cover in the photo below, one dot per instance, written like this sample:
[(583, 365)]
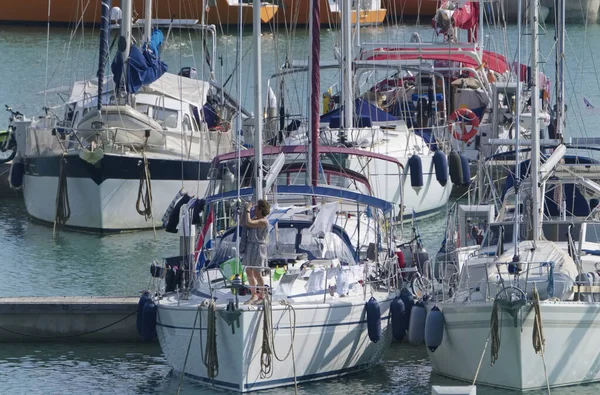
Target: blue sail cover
[(144, 68), (364, 111), (156, 40)]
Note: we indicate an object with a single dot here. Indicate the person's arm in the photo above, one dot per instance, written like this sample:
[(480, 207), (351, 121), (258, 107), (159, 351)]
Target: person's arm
[(254, 223)]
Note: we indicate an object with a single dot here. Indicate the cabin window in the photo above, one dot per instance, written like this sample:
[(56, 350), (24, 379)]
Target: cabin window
[(167, 118), (187, 123), (143, 108)]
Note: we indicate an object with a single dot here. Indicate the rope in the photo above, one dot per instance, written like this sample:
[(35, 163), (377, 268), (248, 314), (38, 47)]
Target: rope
[(266, 354), (538, 333), (188, 349), (494, 333), (210, 358), (144, 191), (268, 343), (63, 208), (68, 336)]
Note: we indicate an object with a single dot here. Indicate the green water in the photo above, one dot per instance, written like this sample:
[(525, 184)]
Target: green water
[(33, 263)]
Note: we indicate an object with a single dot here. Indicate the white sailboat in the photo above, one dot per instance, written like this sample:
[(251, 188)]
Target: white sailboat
[(125, 141), (526, 298), (313, 322)]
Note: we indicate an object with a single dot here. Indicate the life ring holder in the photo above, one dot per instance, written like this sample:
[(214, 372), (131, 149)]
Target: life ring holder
[(466, 115)]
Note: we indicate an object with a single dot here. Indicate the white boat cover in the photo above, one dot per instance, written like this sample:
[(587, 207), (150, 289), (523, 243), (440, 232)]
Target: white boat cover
[(551, 269)]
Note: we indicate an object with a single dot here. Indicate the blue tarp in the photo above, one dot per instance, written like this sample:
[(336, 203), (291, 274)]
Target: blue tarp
[(144, 68), (156, 40), (362, 110)]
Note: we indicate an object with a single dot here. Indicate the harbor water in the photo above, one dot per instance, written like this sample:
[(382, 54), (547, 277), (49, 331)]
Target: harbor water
[(32, 263)]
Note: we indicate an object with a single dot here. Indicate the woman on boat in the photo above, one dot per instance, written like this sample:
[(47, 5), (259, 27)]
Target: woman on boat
[(255, 257)]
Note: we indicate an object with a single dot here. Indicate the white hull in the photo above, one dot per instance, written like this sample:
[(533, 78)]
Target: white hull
[(110, 206), (572, 334), (330, 340)]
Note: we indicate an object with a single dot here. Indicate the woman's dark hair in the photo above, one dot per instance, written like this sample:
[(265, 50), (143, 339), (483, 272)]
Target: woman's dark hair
[(264, 207)]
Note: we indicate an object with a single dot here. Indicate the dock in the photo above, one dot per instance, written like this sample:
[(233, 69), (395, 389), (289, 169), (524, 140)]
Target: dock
[(69, 318)]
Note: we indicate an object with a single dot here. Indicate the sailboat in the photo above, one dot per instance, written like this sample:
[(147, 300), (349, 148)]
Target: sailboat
[(126, 140), (526, 298), (321, 297)]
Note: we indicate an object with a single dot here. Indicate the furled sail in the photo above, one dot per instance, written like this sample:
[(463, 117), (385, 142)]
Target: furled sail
[(451, 15), (144, 66)]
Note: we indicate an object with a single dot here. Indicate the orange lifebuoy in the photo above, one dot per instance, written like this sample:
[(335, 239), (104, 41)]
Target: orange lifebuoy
[(466, 115)]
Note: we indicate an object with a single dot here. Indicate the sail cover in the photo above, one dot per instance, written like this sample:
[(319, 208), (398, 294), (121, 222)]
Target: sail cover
[(144, 68), (363, 110)]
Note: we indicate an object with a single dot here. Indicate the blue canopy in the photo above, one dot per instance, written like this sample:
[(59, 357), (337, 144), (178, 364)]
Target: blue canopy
[(363, 111), (307, 190), (144, 68)]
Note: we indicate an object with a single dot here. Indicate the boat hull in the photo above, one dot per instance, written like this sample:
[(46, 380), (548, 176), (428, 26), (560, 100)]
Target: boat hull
[(296, 12), (328, 342), (70, 11), (571, 331), (102, 197)]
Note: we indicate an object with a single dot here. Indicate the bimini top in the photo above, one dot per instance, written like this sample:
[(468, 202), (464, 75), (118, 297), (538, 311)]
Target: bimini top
[(298, 149), (307, 190)]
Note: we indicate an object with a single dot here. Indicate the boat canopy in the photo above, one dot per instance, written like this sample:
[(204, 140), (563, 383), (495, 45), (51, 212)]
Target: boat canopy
[(298, 149), (312, 191)]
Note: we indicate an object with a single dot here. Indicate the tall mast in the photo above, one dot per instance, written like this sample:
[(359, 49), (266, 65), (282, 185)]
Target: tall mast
[(314, 89), (148, 21), (516, 232), (347, 102), (256, 30), (480, 38), (124, 45), (104, 38), (560, 69), (535, 129)]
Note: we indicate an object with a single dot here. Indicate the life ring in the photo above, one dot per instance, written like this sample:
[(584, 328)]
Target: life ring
[(466, 115)]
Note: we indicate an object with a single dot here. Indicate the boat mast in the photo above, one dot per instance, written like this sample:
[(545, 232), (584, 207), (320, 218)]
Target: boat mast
[(314, 88), (104, 38), (148, 21), (124, 45), (347, 102), (517, 232), (560, 69), (535, 129), (256, 30)]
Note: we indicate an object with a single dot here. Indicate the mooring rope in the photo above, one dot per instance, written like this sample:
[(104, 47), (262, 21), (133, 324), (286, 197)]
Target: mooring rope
[(144, 197), (494, 333), (539, 342), (210, 358), (268, 343), (63, 208), (266, 354)]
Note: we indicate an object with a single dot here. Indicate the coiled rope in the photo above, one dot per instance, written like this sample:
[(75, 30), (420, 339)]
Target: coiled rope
[(144, 197), (210, 357), (63, 208), (539, 342), (268, 343)]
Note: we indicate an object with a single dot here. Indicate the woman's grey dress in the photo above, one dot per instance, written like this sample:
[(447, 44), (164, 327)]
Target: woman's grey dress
[(256, 247)]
